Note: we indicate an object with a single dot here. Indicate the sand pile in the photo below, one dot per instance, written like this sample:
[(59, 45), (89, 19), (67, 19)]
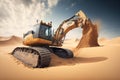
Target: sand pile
[(10, 41), (90, 35)]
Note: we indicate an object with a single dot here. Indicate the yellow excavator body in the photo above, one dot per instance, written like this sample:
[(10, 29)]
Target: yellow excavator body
[(29, 40)]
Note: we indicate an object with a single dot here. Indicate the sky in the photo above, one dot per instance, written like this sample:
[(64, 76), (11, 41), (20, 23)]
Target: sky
[(17, 16)]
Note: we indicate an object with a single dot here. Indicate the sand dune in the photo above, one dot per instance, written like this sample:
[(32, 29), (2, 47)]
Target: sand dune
[(114, 41), (10, 40), (2, 38), (92, 63)]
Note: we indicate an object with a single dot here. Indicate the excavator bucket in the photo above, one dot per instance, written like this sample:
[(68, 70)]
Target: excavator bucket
[(81, 15)]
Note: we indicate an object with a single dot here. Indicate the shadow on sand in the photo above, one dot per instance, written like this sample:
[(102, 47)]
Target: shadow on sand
[(57, 61), (75, 60)]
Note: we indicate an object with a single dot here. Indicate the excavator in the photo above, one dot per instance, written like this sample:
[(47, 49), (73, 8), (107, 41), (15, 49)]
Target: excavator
[(42, 41)]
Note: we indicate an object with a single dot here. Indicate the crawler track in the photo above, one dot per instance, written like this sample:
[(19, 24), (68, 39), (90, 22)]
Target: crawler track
[(33, 56), (61, 52)]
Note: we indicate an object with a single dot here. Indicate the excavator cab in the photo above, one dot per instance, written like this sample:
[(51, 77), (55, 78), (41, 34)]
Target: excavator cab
[(41, 33)]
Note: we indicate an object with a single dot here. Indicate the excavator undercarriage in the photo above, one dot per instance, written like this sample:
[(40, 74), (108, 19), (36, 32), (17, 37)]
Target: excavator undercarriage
[(39, 56)]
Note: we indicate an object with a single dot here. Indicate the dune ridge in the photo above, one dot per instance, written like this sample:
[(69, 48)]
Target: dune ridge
[(10, 41)]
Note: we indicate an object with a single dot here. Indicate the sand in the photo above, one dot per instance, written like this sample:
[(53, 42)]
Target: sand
[(92, 63), (89, 35)]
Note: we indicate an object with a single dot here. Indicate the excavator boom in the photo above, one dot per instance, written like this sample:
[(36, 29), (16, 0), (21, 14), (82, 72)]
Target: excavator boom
[(74, 22)]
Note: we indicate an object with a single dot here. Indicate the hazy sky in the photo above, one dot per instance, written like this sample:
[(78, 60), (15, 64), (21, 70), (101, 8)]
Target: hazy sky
[(16, 16)]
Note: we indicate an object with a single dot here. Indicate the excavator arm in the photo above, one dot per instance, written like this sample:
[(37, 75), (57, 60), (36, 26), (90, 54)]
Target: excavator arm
[(78, 20)]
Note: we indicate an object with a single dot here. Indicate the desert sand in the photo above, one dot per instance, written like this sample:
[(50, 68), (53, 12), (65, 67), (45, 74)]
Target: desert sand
[(92, 63)]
